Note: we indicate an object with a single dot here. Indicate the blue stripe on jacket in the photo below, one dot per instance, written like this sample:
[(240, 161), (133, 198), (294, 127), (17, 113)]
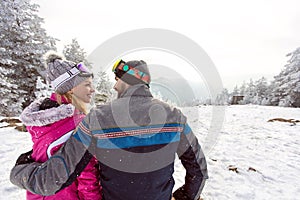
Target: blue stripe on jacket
[(120, 129), (137, 141), (128, 141)]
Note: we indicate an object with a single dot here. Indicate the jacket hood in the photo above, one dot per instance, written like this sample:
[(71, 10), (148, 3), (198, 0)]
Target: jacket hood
[(33, 116)]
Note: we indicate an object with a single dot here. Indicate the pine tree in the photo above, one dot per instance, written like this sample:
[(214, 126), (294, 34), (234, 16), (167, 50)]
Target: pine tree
[(223, 98), (103, 88), (243, 89), (23, 41), (261, 88), (42, 89), (235, 91), (75, 53), (287, 90), (249, 93)]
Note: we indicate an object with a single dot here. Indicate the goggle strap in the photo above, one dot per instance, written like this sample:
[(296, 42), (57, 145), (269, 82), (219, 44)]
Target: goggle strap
[(130, 70), (135, 72)]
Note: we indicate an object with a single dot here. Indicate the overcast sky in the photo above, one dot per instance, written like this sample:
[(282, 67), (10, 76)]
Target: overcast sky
[(244, 39)]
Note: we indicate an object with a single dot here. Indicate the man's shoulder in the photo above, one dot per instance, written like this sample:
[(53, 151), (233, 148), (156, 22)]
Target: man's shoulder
[(173, 111), (102, 109), (166, 105)]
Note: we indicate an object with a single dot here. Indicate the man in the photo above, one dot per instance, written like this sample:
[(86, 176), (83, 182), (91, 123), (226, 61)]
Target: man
[(135, 139)]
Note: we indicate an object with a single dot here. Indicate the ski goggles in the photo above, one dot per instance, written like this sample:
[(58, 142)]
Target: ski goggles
[(79, 69), (82, 68), (121, 65)]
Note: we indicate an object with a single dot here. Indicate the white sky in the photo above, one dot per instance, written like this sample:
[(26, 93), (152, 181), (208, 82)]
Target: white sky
[(245, 39)]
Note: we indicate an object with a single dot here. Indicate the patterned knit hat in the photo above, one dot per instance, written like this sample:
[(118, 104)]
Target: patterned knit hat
[(63, 75), (132, 72)]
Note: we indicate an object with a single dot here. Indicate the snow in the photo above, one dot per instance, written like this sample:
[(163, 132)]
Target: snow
[(266, 155), (8, 62)]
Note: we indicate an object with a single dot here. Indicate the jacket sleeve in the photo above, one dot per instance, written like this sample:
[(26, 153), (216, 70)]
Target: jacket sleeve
[(88, 182), (191, 156), (56, 173)]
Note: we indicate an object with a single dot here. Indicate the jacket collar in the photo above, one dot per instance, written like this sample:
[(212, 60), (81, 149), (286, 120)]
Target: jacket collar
[(137, 90)]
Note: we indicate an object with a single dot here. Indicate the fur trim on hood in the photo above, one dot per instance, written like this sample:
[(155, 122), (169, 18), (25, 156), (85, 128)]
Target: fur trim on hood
[(32, 116)]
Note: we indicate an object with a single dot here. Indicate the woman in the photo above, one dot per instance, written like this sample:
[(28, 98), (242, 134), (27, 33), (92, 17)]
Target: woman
[(51, 121)]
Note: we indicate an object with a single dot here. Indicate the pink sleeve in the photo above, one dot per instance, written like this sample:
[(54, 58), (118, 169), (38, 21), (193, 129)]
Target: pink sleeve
[(88, 182)]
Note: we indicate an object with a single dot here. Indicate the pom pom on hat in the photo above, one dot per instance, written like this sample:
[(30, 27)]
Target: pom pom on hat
[(51, 56)]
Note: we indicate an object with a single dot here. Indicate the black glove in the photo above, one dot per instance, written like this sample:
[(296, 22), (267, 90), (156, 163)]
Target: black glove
[(25, 158), (180, 194)]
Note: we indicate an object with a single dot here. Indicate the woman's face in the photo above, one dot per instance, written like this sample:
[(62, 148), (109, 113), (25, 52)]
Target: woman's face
[(84, 90)]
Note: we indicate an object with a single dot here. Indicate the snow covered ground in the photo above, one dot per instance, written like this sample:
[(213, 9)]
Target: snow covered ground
[(264, 157)]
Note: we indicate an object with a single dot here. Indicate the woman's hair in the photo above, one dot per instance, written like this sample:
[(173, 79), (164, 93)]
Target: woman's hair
[(79, 104)]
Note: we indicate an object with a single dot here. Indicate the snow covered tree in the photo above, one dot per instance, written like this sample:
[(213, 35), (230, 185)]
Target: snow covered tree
[(243, 89), (235, 91), (223, 98), (42, 89), (261, 89), (23, 41), (75, 53), (266, 100), (287, 90), (103, 88), (249, 93)]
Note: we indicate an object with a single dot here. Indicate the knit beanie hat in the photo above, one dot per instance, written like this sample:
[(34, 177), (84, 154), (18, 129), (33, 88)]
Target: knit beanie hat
[(63, 75), (133, 72)]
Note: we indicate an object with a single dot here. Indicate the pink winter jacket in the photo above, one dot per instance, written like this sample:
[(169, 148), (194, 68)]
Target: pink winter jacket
[(49, 129)]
